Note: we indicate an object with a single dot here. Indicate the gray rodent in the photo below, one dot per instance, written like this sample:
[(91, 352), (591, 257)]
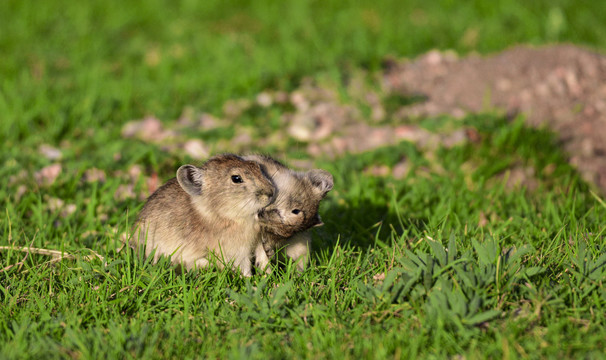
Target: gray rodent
[(295, 210), (207, 211)]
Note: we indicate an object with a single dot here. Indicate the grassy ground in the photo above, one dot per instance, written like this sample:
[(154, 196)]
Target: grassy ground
[(450, 260)]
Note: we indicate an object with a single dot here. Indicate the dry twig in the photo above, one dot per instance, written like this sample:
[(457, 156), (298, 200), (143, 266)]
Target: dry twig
[(55, 254)]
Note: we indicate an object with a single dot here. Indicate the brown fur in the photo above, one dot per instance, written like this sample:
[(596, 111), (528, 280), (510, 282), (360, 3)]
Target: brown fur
[(203, 213), (298, 192)]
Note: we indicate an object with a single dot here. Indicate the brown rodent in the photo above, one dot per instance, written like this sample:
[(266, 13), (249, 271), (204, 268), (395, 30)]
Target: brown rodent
[(295, 210), (207, 211)]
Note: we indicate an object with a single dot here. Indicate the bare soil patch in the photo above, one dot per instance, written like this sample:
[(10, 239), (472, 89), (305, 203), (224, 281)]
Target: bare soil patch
[(562, 87)]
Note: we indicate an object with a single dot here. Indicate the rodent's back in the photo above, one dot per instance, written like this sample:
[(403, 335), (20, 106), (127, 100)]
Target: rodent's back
[(166, 197), (168, 221)]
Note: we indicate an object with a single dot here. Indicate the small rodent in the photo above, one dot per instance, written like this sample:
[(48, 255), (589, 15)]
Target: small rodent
[(207, 211), (294, 210)]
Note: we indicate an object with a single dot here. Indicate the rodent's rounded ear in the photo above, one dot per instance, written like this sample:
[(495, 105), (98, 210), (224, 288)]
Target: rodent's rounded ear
[(321, 180), (190, 179)]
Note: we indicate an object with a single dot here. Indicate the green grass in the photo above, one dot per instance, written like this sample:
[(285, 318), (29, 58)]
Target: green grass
[(450, 260)]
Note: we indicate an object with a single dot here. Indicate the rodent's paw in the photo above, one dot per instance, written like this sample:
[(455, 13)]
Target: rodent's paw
[(301, 266), (268, 270), (246, 272), (263, 265)]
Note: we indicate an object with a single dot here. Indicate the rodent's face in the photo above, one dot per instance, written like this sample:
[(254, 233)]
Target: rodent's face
[(295, 208), (240, 188), (233, 187)]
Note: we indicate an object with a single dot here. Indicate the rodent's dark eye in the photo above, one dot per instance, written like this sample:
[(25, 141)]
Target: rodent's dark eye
[(236, 179), (296, 211)]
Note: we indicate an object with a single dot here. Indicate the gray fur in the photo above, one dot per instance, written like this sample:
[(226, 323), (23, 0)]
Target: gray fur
[(300, 192)]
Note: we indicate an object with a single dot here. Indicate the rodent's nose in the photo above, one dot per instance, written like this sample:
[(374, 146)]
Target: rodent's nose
[(269, 193)]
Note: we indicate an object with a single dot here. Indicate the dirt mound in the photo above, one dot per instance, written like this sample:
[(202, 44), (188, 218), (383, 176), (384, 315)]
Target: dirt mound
[(563, 87)]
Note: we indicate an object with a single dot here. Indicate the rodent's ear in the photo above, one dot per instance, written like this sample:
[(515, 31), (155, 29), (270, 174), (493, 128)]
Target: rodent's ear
[(190, 179), (321, 180)]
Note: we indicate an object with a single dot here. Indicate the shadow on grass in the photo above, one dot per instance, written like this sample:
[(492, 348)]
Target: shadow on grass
[(361, 226)]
